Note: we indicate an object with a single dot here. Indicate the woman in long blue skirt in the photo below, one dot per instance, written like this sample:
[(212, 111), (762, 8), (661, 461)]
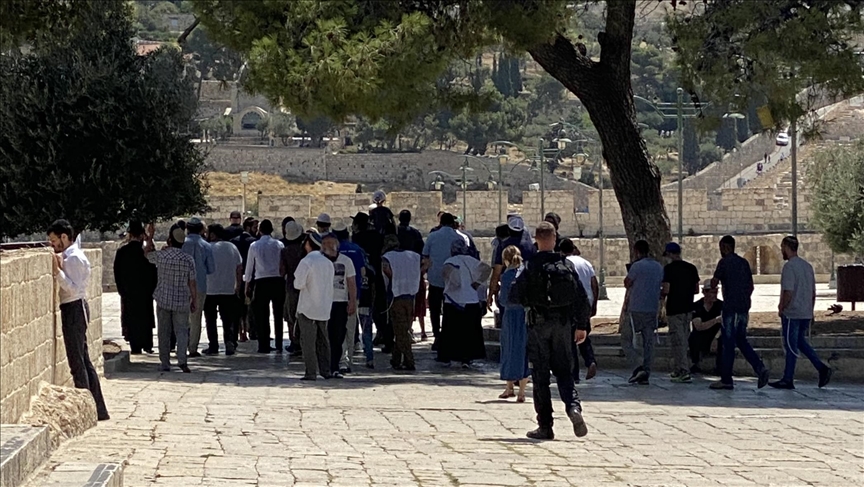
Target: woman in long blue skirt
[(514, 331)]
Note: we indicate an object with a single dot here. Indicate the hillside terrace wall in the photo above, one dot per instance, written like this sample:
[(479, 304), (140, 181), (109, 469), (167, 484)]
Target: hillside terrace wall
[(31, 338)]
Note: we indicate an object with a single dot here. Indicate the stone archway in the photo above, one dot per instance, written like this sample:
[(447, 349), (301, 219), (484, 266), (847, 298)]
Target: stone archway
[(248, 117), (764, 258)]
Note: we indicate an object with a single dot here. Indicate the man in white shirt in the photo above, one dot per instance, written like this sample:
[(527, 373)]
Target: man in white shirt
[(314, 279), (344, 299), (72, 271), (264, 275), (588, 279), (222, 289), (402, 270)]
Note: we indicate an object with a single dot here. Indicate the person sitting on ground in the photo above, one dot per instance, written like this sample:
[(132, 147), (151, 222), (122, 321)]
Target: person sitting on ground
[(706, 325)]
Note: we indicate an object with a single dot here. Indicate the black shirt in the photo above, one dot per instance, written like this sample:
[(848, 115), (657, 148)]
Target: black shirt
[(683, 279), (382, 220), (733, 272), (243, 242), (703, 314), (134, 275), (372, 243), (410, 239), (233, 231), (525, 247)]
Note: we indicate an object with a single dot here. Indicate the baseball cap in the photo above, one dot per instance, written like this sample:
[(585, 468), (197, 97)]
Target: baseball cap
[(515, 223), (236, 214), (323, 218), (293, 230), (672, 248), (706, 284)]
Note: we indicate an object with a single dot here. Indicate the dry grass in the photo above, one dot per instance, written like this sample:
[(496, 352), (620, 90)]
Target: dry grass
[(226, 184)]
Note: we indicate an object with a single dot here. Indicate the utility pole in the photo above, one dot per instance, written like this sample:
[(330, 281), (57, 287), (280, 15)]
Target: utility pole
[(542, 181), (680, 166), (793, 128)]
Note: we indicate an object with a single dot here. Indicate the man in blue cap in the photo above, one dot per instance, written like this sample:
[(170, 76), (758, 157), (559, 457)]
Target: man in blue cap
[(680, 284)]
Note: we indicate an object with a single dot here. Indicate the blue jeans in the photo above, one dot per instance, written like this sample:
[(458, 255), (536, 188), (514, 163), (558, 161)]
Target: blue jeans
[(734, 333), (794, 341), (366, 327)]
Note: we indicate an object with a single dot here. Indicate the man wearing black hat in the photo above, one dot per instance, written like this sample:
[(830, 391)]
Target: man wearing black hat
[(680, 284), (135, 277), (555, 220)]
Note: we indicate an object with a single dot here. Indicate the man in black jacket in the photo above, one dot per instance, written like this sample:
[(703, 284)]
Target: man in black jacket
[(243, 242), (550, 333), (135, 277)]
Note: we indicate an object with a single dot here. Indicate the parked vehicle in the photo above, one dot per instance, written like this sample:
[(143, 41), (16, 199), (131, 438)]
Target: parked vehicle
[(782, 138)]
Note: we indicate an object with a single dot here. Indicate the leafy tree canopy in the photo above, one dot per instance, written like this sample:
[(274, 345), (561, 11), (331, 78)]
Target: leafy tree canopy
[(735, 51), (91, 132), (837, 178)]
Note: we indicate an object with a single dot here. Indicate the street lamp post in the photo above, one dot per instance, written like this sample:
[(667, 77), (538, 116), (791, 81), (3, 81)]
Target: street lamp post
[(680, 115), (501, 160), (602, 294), (244, 178), (793, 129), (542, 179)]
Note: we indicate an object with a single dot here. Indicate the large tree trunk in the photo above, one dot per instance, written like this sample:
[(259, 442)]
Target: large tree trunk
[(605, 91)]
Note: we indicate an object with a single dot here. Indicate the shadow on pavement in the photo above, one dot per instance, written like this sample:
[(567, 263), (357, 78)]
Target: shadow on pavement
[(247, 369)]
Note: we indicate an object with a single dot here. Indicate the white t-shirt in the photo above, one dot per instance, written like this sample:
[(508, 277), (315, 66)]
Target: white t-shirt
[(406, 272), (343, 269), (585, 271), (314, 279), (458, 288), (226, 258)]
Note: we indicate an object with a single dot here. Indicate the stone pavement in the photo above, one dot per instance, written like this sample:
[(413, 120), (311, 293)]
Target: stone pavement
[(248, 420)]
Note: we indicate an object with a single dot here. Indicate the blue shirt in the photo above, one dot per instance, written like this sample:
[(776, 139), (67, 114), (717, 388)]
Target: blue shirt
[(733, 272), (202, 254), (437, 249), (526, 247), (647, 277), (358, 257)]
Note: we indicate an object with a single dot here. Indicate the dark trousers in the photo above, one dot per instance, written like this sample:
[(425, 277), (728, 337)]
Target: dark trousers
[(699, 343), (549, 349), (436, 303), (228, 308), (138, 322), (269, 292), (380, 316), (336, 331), (734, 334), (74, 317), (586, 350)]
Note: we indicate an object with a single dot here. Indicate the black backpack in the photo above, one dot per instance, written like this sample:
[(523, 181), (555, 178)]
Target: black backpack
[(551, 285)]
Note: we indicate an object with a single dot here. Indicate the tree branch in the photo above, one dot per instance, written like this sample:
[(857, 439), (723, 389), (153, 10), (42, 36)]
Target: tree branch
[(560, 59), (182, 39), (615, 41)]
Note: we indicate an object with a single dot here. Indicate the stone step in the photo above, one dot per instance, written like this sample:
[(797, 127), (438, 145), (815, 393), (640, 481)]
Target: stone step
[(83, 475), (818, 342), (848, 364), (23, 449)]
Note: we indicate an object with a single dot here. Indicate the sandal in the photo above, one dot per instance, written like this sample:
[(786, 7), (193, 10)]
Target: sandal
[(507, 394), (520, 397)]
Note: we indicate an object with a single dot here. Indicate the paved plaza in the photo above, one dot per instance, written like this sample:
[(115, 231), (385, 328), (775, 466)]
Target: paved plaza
[(248, 420)]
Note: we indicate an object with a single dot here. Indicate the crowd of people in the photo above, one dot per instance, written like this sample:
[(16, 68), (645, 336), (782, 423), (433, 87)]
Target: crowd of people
[(331, 285)]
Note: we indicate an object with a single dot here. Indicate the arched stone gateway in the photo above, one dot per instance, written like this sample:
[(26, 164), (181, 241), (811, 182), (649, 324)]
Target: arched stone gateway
[(248, 118), (764, 258)]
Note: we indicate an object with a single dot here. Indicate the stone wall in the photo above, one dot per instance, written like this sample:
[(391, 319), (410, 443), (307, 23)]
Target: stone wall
[(31, 338), (482, 216), (222, 206), (704, 253), (277, 207), (733, 211)]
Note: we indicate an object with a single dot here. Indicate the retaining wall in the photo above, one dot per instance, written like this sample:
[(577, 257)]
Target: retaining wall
[(31, 338)]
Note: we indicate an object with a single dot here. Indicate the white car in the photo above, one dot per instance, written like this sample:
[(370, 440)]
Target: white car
[(782, 138)]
